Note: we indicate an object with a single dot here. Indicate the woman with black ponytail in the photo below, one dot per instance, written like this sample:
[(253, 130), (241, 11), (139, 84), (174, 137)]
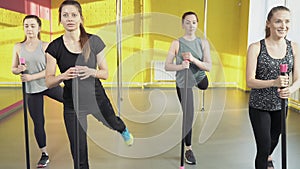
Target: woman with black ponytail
[(80, 55)]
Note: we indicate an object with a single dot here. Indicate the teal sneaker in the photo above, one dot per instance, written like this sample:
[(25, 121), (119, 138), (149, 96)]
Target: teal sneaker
[(128, 138)]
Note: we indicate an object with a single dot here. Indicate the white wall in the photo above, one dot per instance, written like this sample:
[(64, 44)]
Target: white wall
[(294, 33), (257, 17)]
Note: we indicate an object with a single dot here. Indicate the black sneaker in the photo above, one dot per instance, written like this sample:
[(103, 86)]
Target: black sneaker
[(270, 164), (190, 158), (43, 161)]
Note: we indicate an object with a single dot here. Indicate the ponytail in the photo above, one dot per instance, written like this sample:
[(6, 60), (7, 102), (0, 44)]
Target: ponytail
[(267, 31), (84, 43)]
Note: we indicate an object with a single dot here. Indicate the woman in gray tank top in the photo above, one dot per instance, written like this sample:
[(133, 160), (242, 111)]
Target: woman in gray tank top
[(32, 49), (263, 77), (193, 53)]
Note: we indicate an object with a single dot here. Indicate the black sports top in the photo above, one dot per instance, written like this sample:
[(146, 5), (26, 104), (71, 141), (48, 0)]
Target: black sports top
[(268, 68), (88, 88)]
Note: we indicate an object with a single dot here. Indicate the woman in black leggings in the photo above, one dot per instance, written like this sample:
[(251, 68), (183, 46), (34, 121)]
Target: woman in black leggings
[(32, 50), (268, 87), (202, 85), (81, 59), (192, 53)]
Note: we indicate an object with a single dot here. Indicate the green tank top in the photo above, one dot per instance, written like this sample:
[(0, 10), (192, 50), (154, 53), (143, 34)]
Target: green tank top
[(195, 74)]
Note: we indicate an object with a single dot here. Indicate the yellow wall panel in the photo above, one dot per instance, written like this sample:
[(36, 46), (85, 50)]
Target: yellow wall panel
[(147, 38), (11, 32)]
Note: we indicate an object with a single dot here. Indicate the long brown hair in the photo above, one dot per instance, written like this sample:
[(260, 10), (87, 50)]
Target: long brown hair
[(83, 39), (38, 20), (270, 15)]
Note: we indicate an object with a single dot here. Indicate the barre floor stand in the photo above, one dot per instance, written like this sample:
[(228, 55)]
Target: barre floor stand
[(184, 109)]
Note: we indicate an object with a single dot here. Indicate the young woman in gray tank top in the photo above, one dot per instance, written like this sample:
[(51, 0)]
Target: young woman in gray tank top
[(193, 53), (263, 77), (32, 49)]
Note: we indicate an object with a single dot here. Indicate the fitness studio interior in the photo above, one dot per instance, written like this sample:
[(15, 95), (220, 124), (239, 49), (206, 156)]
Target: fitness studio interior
[(138, 35)]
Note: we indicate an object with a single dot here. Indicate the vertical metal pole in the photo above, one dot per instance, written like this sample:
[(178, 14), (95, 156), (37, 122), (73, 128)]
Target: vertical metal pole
[(283, 128), (119, 53), (23, 62), (26, 126), (51, 25), (76, 118), (184, 112), (283, 134), (205, 19), (205, 36), (283, 70)]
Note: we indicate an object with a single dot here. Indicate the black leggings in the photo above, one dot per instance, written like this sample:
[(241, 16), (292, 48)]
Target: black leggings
[(267, 129), (36, 111), (203, 84), (189, 117), (106, 115)]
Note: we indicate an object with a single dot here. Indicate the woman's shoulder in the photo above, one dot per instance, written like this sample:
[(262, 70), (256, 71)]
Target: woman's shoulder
[(295, 47), (18, 45), (58, 39), (55, 45), (94, 37), (174, 47), (255, 44), (175, 43), (294, 43), (96, 41), (56, 42), (203, 41), (254, 49)]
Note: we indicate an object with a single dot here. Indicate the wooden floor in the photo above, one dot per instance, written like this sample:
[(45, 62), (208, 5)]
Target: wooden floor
[(222, 134)]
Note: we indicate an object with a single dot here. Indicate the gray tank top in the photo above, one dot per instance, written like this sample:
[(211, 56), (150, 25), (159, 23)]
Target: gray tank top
[(36, 62), (195, 74), (268, 68)]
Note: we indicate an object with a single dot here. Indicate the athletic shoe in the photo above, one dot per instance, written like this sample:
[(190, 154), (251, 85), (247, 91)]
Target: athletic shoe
[(128, 138), (190, 158), (43, 161), (270, 164)]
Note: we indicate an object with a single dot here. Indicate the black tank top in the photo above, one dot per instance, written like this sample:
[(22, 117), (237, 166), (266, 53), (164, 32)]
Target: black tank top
[(268, 68)]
